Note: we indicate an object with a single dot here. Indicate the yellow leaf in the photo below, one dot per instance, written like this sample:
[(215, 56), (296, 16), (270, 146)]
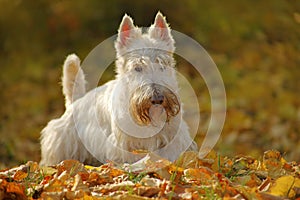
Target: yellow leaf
[(92, 168), (201, 175), (283, 186), (87, 197), (48, 171), (130, 197)]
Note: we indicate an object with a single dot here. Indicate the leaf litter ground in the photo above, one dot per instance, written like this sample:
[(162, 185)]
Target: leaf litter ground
[(214, 177)]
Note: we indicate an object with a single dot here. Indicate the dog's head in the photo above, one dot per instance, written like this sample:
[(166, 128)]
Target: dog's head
[(145, 63), (132, 40)]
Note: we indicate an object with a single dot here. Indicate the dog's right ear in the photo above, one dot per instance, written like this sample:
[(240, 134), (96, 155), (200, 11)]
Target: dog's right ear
[(126, 33), (161, 30)]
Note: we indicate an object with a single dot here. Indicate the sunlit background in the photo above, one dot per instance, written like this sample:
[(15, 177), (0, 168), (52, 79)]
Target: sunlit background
[(255, 44)]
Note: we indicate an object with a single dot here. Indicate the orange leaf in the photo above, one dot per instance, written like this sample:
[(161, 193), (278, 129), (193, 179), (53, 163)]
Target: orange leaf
[(15, 188), (71, 166), (54, 186), (273, 162), (20, 175)]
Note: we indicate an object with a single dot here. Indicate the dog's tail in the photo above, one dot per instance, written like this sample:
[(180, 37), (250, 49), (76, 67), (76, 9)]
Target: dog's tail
[(73, 80)]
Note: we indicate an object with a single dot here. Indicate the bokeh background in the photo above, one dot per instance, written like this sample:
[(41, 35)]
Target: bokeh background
[(255, 44)]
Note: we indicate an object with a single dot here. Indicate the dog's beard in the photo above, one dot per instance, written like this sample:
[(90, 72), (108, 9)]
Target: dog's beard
[(157, 115), (144, 112)]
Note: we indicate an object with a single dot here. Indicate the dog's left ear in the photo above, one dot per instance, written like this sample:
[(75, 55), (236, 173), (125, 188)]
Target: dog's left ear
[(161, 30)]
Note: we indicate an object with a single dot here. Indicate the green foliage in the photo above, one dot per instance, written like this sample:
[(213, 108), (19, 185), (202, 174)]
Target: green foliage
[(136, 178)]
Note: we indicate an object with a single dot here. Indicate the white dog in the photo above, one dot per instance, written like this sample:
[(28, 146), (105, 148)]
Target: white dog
[(139, 110)]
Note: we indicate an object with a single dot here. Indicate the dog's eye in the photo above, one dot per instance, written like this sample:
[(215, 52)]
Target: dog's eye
[(138, 69)]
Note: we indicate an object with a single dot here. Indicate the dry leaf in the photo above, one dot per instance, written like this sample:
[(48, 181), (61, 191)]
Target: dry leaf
[(19, 175), (150, 163), (48, 171), (15, 188), (283, 186), (199, 176), (213, 177), (71, 166), (273, 163), (78, 185)]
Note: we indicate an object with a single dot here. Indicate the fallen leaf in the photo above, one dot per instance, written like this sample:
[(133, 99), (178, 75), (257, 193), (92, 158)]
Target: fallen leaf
[(273, 163), (20, 175), (78, 185), (48, 171), (54, 185), (213, 177), (71, 166), (199, 176), (265, 185), (283, 186), (150, 163)]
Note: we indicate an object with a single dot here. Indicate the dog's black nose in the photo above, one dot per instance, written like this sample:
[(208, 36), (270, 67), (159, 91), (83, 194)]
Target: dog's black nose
[(157, 99)]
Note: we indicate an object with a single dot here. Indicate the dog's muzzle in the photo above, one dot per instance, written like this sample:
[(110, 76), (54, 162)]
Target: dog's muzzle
[(149, 102)]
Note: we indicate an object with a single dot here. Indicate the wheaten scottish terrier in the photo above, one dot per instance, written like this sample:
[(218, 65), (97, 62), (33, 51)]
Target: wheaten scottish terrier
[(139, 110)]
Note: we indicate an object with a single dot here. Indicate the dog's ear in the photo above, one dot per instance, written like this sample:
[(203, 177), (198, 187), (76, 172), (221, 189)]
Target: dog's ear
[(126, 32), (161, 30)]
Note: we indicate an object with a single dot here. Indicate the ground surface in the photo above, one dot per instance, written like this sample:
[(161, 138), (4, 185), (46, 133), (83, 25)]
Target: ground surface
[(214, 177), (255, 45)]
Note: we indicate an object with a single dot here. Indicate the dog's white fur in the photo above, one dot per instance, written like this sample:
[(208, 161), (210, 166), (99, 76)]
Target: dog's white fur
[(90, 129)]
